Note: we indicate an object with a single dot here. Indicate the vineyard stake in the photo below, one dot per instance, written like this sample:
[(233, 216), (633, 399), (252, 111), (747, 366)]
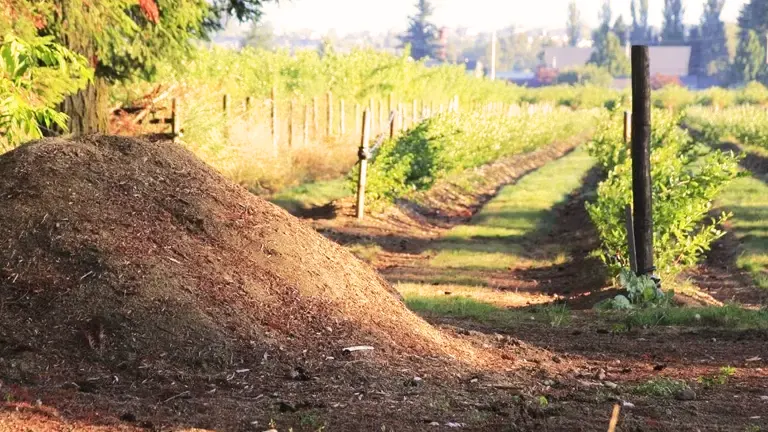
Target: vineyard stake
[(627, 127), (175, 120), (314, 117), (641, 155), (342, 119), (631, 245), (290, 124), (392, 124), (248, 104), (225, 105), (363, 154), (305, 137), (329, 115), (274, 119)]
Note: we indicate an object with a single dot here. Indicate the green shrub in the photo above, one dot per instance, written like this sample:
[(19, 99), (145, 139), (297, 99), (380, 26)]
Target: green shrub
[(451, 142), (753, 93), (684, 183), (586, 75), (673, 97)]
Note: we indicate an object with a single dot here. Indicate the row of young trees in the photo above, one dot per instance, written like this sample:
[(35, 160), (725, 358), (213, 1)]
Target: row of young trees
[(121, 40)]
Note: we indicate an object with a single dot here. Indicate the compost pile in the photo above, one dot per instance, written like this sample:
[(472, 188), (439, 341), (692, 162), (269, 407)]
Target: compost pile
[(123, 253)]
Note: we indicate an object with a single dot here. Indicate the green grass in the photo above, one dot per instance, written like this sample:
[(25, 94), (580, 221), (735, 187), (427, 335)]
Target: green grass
[(468, 308), (312, 195), (492, 239), (663, 387), (747, 198), (728, 316), (365, 251)]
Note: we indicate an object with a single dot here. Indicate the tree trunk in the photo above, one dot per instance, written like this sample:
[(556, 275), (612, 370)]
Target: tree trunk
[(87, 110)]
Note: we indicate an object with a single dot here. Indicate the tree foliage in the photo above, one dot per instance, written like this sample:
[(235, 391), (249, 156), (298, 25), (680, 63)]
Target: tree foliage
[(608, 53), (673, 29), (421, 34), (35, 75), (750, 58), (574, 24), (713, 39), (641, 31)]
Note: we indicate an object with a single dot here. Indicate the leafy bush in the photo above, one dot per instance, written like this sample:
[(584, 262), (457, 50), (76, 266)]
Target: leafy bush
[(716, 97), (586, 75), (684, 183), (673, 97), (754, 93), (747, 124), (453, 142), (35, 75)]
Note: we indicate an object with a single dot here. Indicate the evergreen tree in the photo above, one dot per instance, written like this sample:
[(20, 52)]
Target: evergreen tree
[(673, 29), (574, 24), (621, 30), (641, 31), (421, 34), (608, 51), (714, 43), (750, 58), (750, 52), (260, 35), (697, 65), (600, 34)]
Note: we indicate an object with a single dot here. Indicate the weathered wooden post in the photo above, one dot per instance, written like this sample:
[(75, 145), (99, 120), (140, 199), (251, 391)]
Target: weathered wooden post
[(305, 137), (342, 119), (175, 120), (363, 155), (225, 105), (248, 104), (641, 164), (392, 124), (290, 124), (357, 121), (329, 115), (274, 119), (627, 127)]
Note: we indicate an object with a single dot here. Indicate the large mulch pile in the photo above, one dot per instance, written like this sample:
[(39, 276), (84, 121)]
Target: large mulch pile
[(129, 265)]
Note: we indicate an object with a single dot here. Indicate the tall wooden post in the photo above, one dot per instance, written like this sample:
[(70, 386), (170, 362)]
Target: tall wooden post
[(363, 154), (290, 124), (342, 119), (329, 115), (627, 127), (392, 123), (315, 121), (391, 103), (305, 137), (274, 119), (225, 105), (357, 121), (641, 155), (175, 120)]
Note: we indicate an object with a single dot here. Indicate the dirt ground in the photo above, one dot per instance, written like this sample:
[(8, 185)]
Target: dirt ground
[(275, 360)]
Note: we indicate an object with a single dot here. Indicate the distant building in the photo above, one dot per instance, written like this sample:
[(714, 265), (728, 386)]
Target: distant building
[(672, 61)]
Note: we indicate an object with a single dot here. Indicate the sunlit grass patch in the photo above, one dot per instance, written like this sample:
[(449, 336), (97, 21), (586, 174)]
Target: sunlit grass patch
[(727, 316), (480, 304), (312, 194), (662, 387), (747, 198), (365, 251), (493, 239)]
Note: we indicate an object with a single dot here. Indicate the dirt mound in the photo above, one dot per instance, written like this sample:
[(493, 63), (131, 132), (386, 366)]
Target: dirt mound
[(134, 254)]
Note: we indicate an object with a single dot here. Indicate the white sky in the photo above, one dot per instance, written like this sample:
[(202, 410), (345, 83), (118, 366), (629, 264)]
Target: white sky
[(347, 16)]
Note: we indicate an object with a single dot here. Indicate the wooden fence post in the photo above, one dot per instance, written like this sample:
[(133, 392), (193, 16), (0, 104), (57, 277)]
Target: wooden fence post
[(392, 123), (305, 137), (363, 154), (290, 124), (357, 121), (342, 119), (627, 127), (315, 121), (175, 120), (274, 120), (329, 115), (225, 105), (641, 155)]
